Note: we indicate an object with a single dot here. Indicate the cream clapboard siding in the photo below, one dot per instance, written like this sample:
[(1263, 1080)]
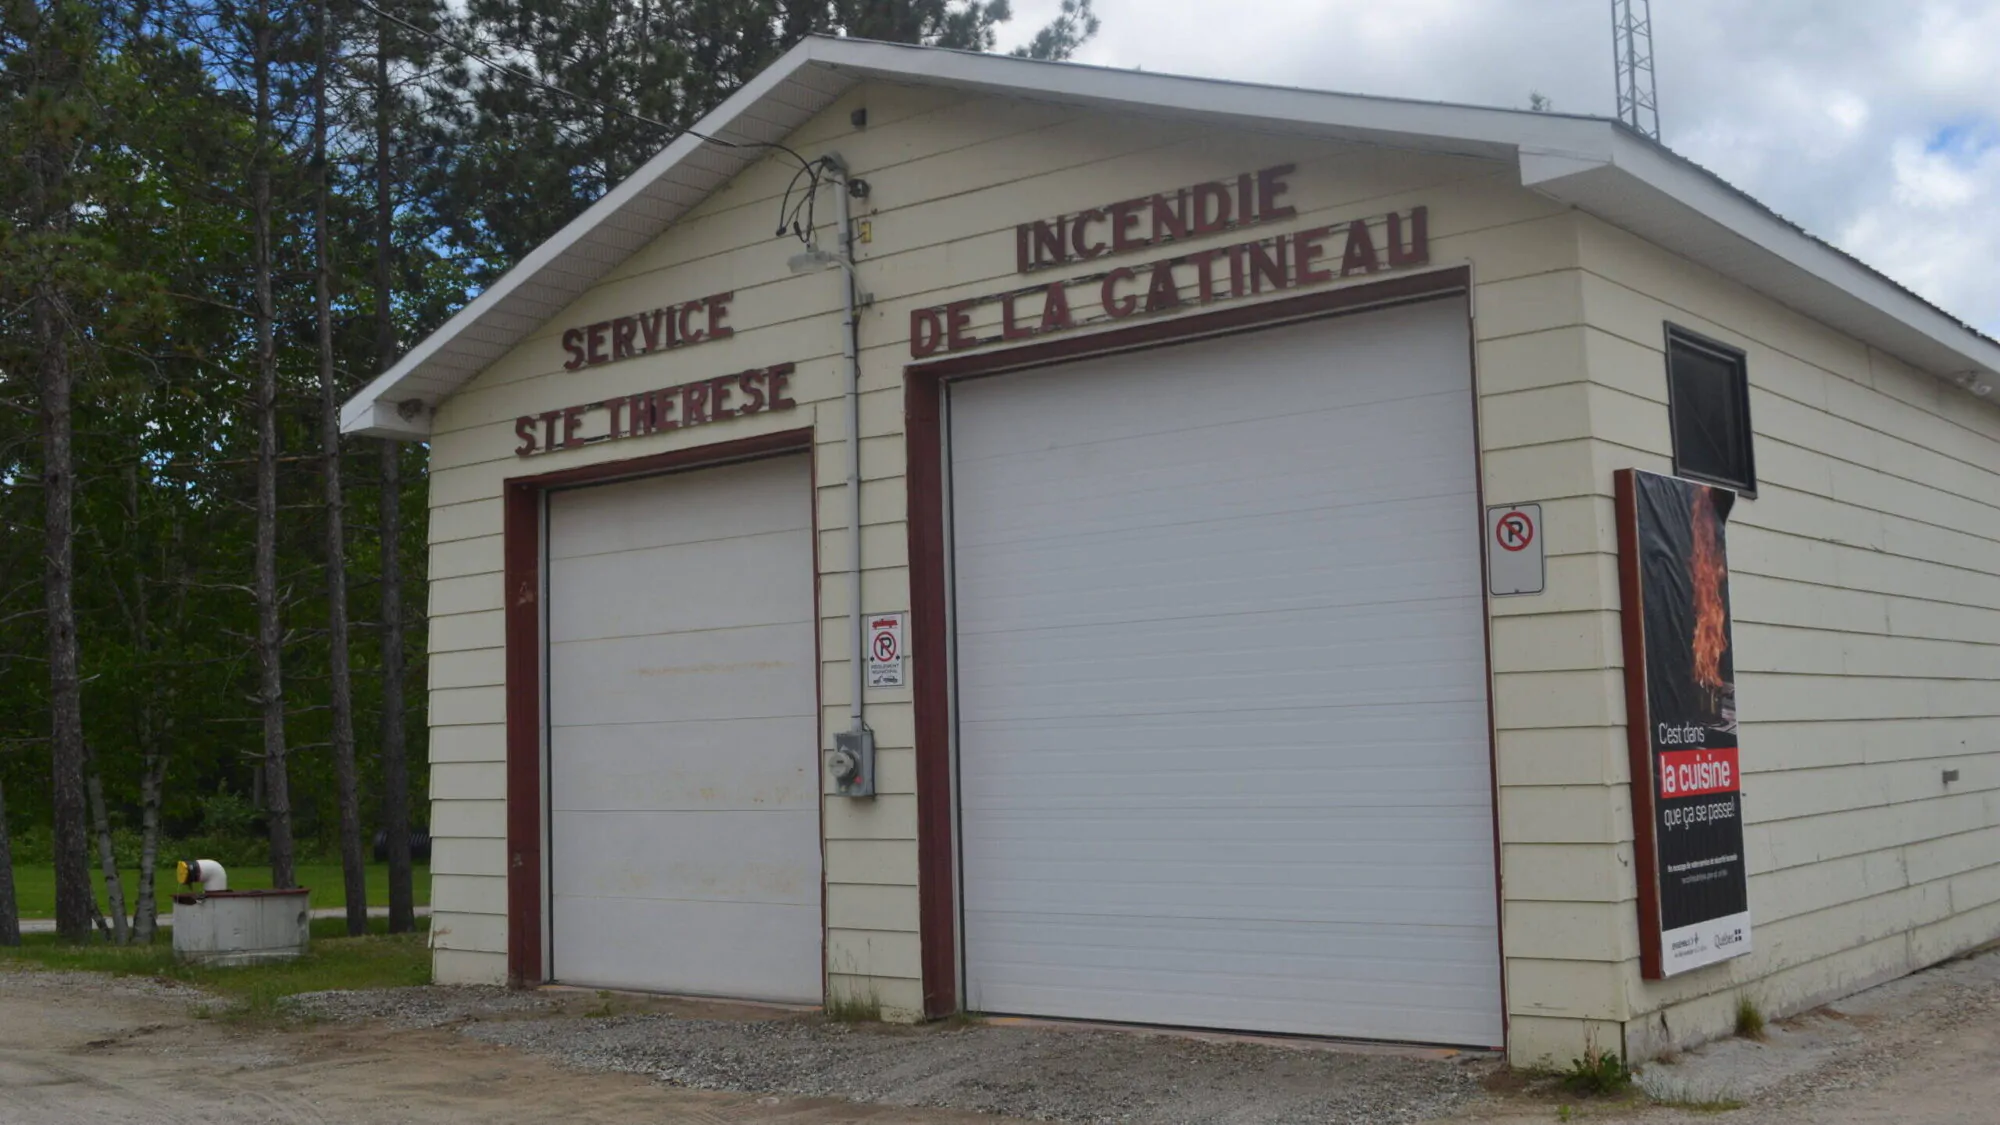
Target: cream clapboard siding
[(1564, 821), (1865, 586), (951, 175)]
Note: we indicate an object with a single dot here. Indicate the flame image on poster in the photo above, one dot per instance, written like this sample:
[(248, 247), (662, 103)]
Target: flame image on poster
[(1681, 696)]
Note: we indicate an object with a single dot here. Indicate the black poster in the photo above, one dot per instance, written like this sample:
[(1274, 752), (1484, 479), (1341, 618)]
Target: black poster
[(1680, 676)]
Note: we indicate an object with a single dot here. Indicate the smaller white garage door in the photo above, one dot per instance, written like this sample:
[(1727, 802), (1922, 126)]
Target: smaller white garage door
[(1223, 750), (684, 831)]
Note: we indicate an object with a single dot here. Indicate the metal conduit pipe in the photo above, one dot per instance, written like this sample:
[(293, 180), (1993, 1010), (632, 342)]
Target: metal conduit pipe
[(850, 349), (853, 764)]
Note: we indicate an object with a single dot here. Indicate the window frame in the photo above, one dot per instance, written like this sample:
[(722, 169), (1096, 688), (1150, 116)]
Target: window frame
[(1740, 361)]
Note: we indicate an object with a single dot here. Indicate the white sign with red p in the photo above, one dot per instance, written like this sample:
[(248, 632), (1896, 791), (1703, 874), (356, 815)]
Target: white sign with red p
[(1514, 549), (885, 650)]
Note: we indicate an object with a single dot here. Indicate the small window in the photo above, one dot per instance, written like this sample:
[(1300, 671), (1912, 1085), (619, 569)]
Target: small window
[(1708, 401)]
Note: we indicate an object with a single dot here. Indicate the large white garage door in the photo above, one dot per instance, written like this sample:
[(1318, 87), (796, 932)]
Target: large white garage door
[(1221, 686), (684, 838)]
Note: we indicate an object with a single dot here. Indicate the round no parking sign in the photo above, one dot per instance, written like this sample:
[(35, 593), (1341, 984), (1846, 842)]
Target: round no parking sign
[(1514, 562)]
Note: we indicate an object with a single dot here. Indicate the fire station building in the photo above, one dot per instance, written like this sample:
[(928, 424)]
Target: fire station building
[(1148, 549)]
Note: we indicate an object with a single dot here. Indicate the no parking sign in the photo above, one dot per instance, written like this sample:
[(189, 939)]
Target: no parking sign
[(885, 650), (1514, 549)]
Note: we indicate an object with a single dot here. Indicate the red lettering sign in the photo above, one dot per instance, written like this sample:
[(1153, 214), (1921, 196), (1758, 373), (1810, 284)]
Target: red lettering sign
[(628, 337), (1280, 262), (1134, 224), (699, 402)]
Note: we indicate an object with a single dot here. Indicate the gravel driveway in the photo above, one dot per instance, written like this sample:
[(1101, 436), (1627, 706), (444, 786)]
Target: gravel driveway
[(1043, 1072), (83, 1049)]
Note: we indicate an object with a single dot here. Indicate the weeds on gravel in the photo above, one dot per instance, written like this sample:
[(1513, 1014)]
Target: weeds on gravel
[(1749, 1019), (253, 992), (1597, 1073), (843, 1006), (1677, 1091)]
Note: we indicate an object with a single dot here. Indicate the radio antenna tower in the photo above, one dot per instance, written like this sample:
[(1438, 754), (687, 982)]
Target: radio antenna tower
[(1632, 56)]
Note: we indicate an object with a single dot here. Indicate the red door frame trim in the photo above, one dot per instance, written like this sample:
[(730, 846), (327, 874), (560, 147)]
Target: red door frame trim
[(522, 549), (922, 396), (1486, 638)]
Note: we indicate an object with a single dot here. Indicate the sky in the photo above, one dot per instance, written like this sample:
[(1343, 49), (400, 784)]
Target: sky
[(1874, 124)]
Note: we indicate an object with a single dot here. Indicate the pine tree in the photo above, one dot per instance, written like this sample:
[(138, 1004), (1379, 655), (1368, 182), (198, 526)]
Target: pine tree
[(532, 158), (49, 116)]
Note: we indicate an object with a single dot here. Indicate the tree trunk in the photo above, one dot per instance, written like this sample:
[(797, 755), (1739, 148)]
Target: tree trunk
[(346, 784), (270, 635), (46, 162), (72, 838), (395, 761), (10, 910), (153, 768), (146, 906), (107, 856)]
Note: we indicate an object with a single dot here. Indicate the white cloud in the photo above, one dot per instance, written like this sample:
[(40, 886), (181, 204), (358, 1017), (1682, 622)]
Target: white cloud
[(1876, 125), (1931, 180)]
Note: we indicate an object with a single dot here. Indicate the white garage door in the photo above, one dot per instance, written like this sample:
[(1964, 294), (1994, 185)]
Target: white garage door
[(1221, 686), (683, 766)]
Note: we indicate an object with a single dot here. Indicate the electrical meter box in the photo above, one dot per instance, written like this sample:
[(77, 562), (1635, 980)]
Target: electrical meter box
[(850, 765)]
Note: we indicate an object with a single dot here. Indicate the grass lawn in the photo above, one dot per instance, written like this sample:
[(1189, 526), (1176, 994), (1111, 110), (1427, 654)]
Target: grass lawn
[(336, 961), (35, 886)]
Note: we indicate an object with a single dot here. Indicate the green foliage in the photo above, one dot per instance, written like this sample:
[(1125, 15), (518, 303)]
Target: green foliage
[(143, 246), (34, 846), (225, 815), (529, 160), (846, 1006), (36, 883), (1597, 1073), (1749, 1019), (250, 992)]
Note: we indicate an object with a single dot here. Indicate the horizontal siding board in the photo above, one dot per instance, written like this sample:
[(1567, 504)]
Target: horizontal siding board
[(1562, 756), (486, 819), (479, 742), (476, 933), (1600, 873), (460, 855), (460, 966)]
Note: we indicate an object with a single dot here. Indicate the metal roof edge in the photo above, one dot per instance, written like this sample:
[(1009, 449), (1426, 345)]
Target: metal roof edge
[(1215, 98), (1749, 218)]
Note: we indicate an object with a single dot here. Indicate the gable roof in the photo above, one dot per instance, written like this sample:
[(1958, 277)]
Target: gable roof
[(1595, 164)]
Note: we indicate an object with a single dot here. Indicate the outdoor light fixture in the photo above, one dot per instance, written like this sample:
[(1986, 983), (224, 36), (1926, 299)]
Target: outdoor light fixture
[(815, 258)]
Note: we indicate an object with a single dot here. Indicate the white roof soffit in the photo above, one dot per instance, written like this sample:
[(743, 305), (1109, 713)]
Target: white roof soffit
[(1591, 163)]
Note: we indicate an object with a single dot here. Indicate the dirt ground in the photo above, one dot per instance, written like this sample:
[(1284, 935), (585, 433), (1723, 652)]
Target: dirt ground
[(1923, 1050), (80, 1049), (77, 1049)]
